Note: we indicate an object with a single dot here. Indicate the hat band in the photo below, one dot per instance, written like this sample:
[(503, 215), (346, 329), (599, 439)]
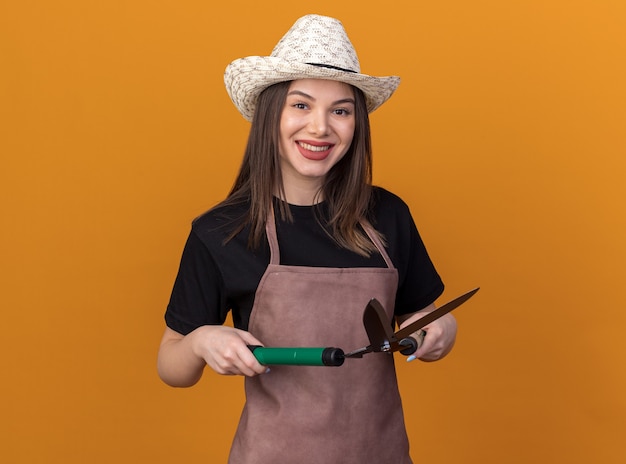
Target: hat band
[(330, 66)]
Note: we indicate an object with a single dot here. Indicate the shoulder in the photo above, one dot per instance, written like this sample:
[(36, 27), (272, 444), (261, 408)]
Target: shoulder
[(219, 221), (385, 197), (388, 206), (391, 216)]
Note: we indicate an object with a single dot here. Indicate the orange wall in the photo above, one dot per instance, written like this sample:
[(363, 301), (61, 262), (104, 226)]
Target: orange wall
[(507, 138)]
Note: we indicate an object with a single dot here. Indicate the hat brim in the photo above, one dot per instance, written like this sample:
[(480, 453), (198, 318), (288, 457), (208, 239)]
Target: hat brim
[(247, 77)]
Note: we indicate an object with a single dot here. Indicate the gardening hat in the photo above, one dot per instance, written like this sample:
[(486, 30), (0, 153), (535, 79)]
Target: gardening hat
[(316, 47)]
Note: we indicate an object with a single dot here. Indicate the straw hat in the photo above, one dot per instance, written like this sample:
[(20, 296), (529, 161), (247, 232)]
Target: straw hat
[(316, 47)]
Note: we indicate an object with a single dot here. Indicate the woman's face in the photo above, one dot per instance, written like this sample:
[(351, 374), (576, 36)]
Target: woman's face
[(316, 129)]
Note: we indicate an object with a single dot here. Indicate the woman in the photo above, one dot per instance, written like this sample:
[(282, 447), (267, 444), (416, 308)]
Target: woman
[(297, 249)]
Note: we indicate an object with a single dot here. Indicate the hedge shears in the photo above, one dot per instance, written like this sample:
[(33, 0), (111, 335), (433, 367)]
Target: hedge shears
[(379, 329)]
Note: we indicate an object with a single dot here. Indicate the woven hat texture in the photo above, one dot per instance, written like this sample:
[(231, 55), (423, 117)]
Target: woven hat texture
[(316, 47)]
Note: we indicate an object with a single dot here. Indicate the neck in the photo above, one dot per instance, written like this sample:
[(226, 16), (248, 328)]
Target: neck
[(303, 194)]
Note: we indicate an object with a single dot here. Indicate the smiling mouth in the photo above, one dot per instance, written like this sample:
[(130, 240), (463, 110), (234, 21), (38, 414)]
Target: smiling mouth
[(315, 148)]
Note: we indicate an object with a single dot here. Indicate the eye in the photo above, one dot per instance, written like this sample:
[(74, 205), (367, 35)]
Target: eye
[(300, 106), (342, 112)]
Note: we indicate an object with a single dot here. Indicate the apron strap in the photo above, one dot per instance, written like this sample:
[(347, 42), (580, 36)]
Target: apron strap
[(270, 231), (376, 241)]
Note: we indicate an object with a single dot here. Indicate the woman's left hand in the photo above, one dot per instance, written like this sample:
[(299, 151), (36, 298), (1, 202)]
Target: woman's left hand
[(440, 334)]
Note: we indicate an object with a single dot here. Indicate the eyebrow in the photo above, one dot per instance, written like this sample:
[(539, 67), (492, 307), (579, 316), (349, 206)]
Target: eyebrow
[(306, 95)]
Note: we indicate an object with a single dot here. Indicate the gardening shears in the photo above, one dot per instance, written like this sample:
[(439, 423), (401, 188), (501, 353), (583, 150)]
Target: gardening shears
[(379, 329)]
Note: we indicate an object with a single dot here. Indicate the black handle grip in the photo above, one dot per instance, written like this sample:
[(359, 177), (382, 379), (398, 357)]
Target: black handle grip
[(411, 343), (411, 346)]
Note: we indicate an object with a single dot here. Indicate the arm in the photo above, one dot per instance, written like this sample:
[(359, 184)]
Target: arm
[(440, 334), (182, 358)]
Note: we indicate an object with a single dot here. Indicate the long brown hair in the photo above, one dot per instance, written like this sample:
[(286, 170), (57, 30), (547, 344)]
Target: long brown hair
[(347, 188)]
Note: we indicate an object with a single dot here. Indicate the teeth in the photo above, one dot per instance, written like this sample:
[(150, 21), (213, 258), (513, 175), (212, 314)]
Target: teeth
[(306, 146)]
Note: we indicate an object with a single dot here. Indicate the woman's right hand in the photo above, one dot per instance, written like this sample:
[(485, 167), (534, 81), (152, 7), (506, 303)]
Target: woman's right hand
[(224, 349)]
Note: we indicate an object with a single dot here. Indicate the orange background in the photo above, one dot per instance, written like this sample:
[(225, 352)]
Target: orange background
[(506, 137)]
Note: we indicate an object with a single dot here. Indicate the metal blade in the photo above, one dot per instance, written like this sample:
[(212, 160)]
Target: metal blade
[(436, 314), (358, 353), (377, 325)]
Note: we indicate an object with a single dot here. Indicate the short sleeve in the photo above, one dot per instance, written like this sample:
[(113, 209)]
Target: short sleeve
[(197, 297), (421, 284)]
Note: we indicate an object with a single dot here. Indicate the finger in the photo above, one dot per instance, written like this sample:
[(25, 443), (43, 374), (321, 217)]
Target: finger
[(248, 358), (233, 356), (250, 366), (430, 349), (227, 360)]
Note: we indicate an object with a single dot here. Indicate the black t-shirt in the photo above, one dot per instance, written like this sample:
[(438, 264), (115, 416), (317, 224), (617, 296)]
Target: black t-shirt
[(216, 277)]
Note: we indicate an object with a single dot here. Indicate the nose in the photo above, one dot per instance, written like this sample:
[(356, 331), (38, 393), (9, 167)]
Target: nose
[(319, 124)]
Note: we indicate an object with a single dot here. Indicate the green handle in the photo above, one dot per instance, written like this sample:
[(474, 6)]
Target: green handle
[(298, 356)]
